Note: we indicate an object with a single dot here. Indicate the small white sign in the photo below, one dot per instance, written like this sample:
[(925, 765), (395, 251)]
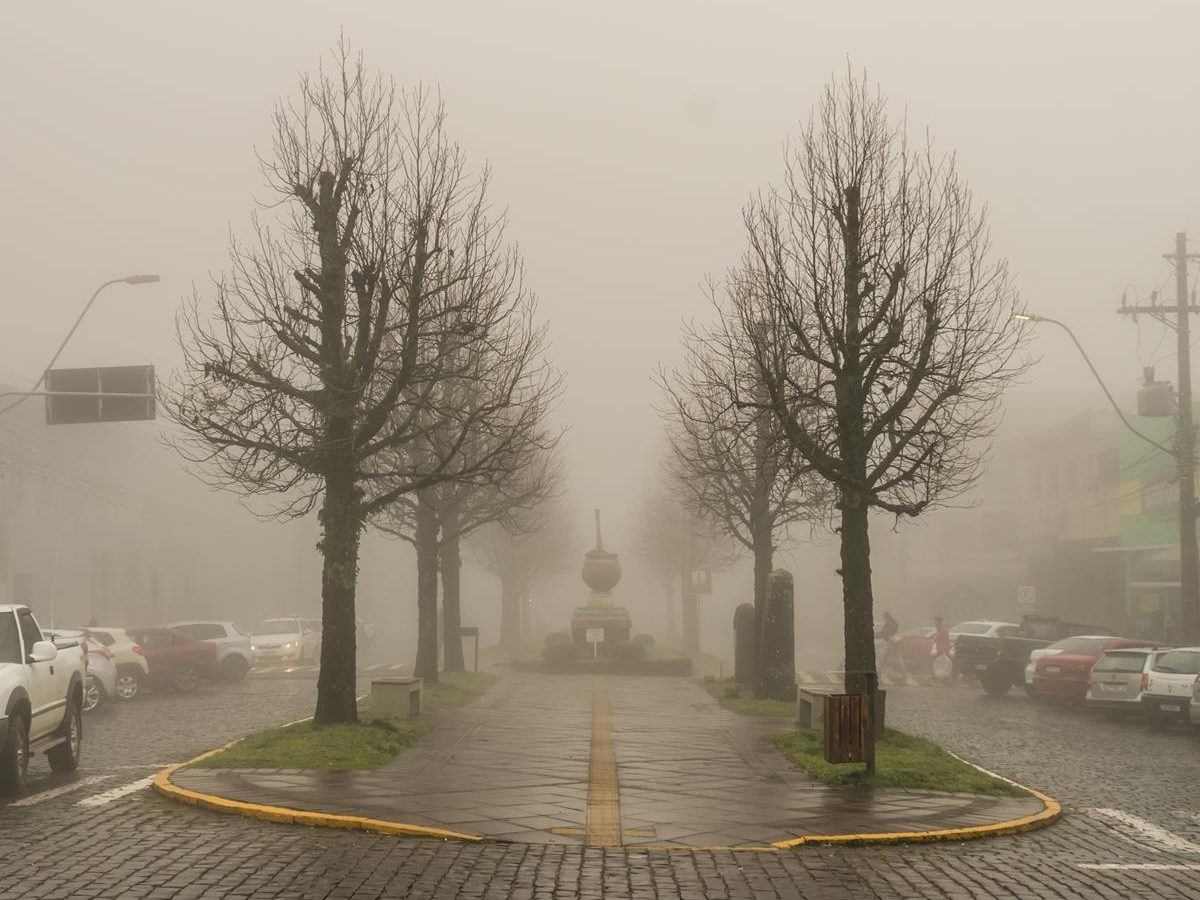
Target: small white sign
[(1026, 597), (595, 635)]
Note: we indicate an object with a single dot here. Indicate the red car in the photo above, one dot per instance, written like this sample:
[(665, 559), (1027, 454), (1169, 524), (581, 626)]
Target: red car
[(175, 659), (916, 649), (1064, 668)]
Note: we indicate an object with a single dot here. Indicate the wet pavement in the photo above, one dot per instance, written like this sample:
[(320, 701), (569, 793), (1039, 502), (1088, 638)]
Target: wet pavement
[(686, 773), (1131, 829)]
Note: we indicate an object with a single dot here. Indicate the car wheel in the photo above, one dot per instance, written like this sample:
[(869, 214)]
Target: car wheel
[(129, 682), (234, 668), (14, 756), (187, 679), (93, 693), (996, 681), (65, 756)]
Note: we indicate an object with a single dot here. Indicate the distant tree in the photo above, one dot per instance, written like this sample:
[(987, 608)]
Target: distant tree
[(730, 462), (520, 550), (318, 362), (881, 326), (672, 539)]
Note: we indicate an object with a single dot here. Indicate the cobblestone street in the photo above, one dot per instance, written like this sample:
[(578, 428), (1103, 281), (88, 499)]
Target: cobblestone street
[(1131, 828)]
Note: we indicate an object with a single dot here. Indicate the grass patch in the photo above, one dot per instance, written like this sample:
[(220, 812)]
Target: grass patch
[(367, 745), (901, 761), (744, 703)]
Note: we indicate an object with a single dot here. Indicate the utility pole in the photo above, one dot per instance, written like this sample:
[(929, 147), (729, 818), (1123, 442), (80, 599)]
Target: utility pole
[(1185, 437)]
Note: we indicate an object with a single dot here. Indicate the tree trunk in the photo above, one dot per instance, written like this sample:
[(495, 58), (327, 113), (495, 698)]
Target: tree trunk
[(452, 647), (427, 588), (764, 560), (510, 612), (672, 627), (857, 598), (341, 526), (690, 615)]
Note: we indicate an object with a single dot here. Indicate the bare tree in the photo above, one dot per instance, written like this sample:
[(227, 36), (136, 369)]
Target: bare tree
[(731, 462), (674, 538), (532, 480), (520, 550), (493, 431), (319, 359), (882, 327)]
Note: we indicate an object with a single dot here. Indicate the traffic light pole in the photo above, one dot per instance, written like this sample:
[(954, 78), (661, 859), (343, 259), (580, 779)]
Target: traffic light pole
[(1185, 438)]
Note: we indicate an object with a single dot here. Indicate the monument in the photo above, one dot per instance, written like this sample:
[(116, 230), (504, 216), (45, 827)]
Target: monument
[(601, 572)]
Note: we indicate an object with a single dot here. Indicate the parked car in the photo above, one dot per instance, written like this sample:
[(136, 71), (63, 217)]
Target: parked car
[(100, 682), (1194, 706), (41, 697), (1169, 685), (1116, 681), (176, 660), (916, 644), (976, 633), (235, 655), (286, 640), (1050, 650), (1064, 669), (1000, 661), (127, 655)]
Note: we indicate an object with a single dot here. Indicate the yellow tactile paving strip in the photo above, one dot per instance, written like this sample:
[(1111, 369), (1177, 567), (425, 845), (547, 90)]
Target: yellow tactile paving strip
[(604, 795)]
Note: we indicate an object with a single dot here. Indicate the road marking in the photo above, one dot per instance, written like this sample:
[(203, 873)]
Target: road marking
[(1139, 867), (118, 792), (1162, 839), (603, 800), (59, 791)]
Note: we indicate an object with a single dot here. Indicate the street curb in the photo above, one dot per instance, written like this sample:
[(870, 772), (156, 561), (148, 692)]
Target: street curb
[(1051, 811), (285, 815)]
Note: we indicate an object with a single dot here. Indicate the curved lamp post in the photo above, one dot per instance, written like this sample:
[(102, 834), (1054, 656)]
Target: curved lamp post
[(128, 279)]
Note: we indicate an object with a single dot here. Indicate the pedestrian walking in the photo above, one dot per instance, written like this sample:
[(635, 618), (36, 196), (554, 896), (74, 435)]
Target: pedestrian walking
[(889, 639), (943, 666)]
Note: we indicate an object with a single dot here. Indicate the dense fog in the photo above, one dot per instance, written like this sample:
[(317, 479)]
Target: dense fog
[(624, 142)]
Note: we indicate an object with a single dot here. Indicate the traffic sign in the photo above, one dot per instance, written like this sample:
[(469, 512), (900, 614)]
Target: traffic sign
[(595, 635), (699, 581), (104, 394), (1026, 597)]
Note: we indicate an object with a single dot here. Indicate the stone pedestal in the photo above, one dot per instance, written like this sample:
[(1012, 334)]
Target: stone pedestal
[(601, 572)]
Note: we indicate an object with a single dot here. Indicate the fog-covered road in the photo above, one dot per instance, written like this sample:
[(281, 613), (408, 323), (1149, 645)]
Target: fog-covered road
[(1132, 827)]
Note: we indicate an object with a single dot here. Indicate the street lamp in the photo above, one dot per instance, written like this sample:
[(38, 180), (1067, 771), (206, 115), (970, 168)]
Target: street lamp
[(128, 279)]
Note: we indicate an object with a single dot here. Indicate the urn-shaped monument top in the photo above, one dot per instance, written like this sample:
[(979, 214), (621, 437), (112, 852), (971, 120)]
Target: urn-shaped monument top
[(601, 570)]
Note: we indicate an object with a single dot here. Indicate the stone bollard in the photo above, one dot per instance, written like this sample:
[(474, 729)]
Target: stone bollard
[(778, 639), (743, 644)]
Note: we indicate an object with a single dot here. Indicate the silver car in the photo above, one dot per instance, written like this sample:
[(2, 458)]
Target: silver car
[(100, 682), (1118, 679), (235, 653)]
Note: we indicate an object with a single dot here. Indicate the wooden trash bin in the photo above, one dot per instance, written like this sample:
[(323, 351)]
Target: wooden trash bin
[(847, 727)]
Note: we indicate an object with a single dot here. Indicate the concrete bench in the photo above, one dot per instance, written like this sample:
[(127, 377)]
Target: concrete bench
[(395, 698), (810, 708)]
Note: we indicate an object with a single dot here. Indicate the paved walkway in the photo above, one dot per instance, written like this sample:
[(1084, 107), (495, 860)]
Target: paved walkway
[(604, 762)]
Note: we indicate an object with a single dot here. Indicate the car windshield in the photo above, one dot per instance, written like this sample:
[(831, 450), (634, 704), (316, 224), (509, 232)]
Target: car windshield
[(1082, 645), (1128, 661), (971, 628), (276, 626), (1179, 662)]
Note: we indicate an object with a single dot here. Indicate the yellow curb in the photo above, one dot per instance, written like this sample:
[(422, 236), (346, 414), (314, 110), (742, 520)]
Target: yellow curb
[(286, 815), (1051, 811)]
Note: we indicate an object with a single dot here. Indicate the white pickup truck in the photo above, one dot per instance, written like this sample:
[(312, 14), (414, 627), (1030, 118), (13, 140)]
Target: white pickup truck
[(41, 699)]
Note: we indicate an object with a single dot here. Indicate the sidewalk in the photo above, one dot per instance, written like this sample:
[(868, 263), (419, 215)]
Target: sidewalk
[(615, 761)]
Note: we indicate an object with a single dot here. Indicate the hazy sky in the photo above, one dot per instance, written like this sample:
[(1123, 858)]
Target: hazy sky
[(624, 137)]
